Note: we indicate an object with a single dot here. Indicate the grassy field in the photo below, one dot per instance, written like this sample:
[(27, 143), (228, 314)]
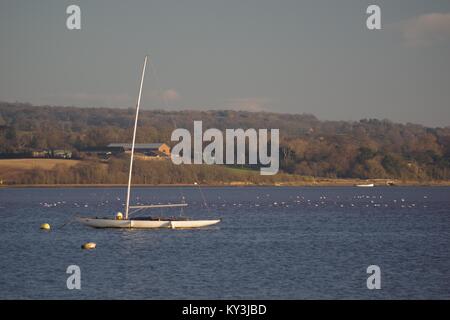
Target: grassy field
[(11, 167)]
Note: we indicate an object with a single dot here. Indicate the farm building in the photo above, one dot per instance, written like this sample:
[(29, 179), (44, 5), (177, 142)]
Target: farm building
[(149, 149)]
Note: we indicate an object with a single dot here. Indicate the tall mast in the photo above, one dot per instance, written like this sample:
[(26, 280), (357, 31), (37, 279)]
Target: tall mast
[(134, 139)]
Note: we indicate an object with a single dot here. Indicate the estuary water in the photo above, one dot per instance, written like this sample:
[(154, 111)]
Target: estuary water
[(273, 243)]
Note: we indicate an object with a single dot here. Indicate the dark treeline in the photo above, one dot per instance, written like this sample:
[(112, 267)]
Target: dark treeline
[(309, 147), (147, 172)]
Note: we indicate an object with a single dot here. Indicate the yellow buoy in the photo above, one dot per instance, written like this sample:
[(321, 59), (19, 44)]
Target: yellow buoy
[(89, 245), (119, 216), (45, 226)]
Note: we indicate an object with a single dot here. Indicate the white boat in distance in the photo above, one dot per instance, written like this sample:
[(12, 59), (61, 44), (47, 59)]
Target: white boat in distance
[(368, 185), (144, 222)]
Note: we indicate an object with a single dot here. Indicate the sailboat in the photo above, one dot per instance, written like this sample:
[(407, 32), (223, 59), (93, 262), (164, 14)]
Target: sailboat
[(120, 221)]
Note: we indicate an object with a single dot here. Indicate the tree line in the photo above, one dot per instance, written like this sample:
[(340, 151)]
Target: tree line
[(368, 148)]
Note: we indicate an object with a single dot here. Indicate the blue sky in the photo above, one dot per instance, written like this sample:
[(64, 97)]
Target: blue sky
[(282, 56)]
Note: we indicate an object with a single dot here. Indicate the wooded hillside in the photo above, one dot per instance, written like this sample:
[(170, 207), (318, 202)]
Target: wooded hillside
[(368, 148)]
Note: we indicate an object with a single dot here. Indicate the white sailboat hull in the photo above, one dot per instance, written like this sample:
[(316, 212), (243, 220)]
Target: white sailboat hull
[(146, 224)]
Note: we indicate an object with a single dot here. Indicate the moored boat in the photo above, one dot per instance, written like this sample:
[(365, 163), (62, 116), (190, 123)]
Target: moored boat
[(144, 222), (149, 223)]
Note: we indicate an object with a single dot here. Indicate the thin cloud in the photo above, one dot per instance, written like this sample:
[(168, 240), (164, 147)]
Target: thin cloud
[(171, 95), (426, 30), (161, 99)]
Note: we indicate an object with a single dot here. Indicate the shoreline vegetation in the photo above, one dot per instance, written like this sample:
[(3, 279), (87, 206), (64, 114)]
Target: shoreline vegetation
[(54, 173), (65, 146)]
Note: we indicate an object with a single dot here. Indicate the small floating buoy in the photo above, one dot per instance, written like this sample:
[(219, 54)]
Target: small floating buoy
[(45, 226), (89, 245)]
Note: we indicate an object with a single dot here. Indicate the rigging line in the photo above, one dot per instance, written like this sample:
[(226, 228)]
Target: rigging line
[(66, 223), (161, 92), (159, 88), (204, 198), (71, 219), (182, 201), (166, 105), (135, 211), (181, 212)]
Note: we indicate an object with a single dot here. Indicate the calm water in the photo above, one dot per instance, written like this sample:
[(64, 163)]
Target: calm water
[(275, 243)]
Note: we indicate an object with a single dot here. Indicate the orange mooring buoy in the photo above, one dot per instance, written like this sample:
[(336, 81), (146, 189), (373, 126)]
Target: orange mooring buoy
[(89, 245), (45, 226)]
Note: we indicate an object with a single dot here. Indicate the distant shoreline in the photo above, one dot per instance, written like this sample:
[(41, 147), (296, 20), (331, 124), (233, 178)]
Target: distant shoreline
[(316, 183)]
